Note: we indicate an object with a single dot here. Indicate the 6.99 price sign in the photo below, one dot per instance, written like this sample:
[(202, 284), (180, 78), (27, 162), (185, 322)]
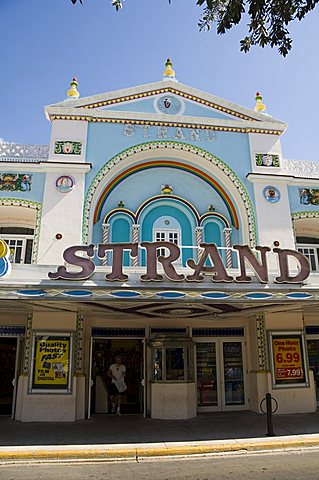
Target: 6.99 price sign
[(288, 359)]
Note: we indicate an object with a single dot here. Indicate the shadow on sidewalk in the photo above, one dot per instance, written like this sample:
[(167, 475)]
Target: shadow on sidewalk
[(108, 429)]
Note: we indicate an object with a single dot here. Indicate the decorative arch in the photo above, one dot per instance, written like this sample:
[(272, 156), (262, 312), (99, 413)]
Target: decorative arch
[(171, 164), (16, 202), (93, 205)]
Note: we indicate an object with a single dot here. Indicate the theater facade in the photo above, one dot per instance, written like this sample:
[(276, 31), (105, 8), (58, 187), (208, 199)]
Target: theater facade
[(162, 224)]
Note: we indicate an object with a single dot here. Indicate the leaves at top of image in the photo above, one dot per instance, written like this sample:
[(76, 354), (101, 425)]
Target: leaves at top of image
[(268, 20)]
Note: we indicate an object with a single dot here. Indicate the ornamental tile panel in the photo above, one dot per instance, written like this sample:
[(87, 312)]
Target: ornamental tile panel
[(67, 148), (267, 160)]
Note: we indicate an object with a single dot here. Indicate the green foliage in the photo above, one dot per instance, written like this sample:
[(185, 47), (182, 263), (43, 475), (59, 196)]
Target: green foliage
[(268, 19)]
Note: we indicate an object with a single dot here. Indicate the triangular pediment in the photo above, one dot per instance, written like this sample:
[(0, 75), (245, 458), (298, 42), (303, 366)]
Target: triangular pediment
[(163, 100)]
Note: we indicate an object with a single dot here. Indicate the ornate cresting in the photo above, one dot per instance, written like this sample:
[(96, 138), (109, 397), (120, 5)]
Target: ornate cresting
[(18, 152), (27, 344), (79, 344), (261, 343)]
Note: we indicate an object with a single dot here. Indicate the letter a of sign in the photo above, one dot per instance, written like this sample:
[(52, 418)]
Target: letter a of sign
[(218, 269)]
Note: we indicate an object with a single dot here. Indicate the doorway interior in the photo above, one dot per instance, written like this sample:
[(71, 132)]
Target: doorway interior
[(8, 366), (104, 352), (221, 374)]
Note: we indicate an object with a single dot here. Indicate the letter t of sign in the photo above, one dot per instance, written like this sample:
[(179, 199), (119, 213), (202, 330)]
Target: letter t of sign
[(117, 258)]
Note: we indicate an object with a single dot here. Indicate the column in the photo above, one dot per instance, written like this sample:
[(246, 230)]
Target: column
[(199, 240), (227, 235), (79, 344), (105, 239), (135, 235)]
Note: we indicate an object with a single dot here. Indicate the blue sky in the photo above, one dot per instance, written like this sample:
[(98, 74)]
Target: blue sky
[(44, 43)]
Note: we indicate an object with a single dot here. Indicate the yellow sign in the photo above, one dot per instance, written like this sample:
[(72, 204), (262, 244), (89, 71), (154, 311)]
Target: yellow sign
[(52, 362), (287, 358)]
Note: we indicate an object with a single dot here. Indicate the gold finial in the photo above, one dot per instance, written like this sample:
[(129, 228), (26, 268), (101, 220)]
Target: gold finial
[(73, 92), (167, 189), (168, 72), (259, 107)]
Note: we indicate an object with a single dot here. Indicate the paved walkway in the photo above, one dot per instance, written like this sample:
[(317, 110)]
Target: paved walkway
[(129, 436)]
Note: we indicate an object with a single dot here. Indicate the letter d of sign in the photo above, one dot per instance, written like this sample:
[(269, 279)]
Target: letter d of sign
[(70, 257), (304, 265)]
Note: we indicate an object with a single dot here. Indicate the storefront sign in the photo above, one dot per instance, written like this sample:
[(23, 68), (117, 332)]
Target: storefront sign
[(51, 362), (287, 358), (74, 256)]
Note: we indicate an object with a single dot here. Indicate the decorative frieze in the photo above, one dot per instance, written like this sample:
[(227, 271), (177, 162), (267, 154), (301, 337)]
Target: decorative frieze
[(15, 182), (67, 147)]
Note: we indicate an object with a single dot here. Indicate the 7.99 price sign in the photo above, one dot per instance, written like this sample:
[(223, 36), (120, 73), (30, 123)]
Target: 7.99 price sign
[(288, 361)]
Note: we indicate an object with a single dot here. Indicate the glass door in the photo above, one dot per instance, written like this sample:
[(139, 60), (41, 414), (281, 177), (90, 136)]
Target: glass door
[(220, 366), (233, 373), (207, 376)]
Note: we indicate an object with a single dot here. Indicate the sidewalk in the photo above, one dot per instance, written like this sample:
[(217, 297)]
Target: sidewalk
[(109, 437)]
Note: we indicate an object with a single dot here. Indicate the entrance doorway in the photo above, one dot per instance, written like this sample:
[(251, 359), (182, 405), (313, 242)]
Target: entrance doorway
[(313, 358), (104, 352), (8, 366), (220, 366)]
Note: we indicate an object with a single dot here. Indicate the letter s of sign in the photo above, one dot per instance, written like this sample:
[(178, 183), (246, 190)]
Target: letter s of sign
[(70, 257)]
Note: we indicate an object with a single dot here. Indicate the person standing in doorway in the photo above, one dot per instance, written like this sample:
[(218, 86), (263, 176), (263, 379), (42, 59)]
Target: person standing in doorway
[(118, 386)]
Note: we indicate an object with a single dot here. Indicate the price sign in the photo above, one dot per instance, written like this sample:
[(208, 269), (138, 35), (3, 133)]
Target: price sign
[(288, 359)]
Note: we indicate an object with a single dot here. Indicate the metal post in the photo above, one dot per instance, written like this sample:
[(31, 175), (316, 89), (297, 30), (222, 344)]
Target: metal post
[(270, 430)]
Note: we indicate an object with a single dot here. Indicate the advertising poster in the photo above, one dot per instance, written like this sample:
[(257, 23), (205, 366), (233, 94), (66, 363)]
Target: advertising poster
[(51, 362), (288, 359)]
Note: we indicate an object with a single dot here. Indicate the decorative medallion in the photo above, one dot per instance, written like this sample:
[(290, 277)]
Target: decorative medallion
[(67, 148), (271, 194), (267, 160), (5, 265), (13, 182), (169, 104), (64, 184), (309, 196)]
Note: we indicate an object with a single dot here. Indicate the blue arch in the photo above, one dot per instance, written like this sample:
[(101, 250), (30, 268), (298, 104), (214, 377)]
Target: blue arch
[(121, 231), (185, 219)]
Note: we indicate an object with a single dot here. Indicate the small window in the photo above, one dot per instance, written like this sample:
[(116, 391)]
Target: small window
[(309, 248), (163, 235), (19, 241)]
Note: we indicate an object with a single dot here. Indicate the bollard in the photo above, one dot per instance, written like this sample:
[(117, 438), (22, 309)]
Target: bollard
[(269, 412), (270, 429)]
